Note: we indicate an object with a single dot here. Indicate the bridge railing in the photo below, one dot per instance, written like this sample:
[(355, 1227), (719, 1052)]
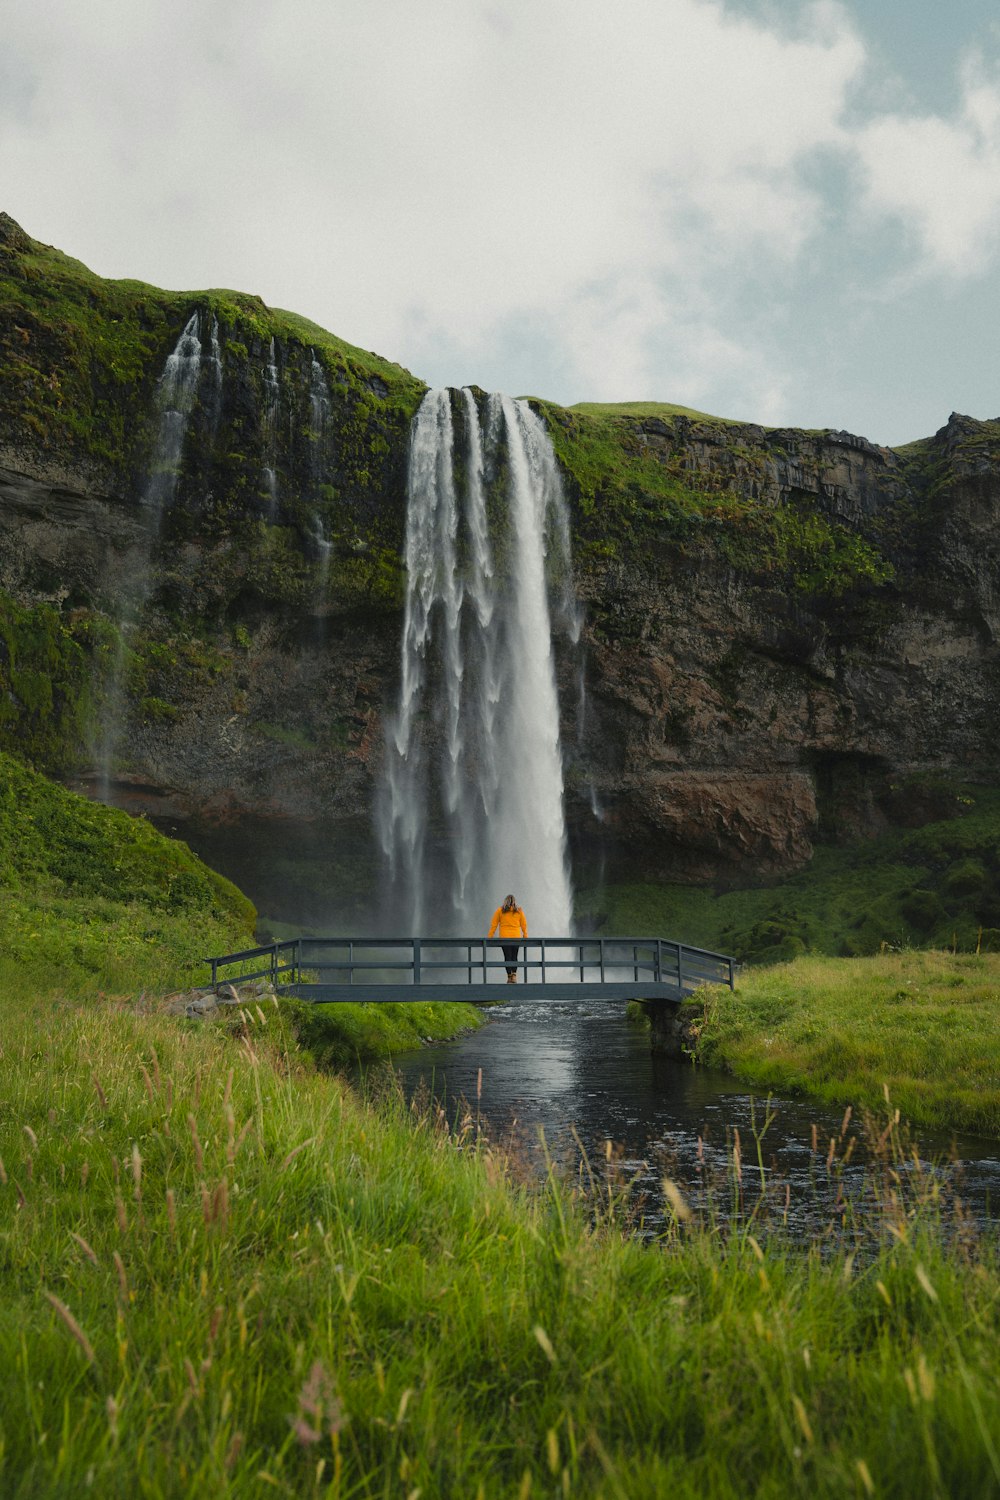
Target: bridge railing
[(456, 961)]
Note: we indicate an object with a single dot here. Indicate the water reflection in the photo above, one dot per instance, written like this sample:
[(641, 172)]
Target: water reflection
[(580, 1069)]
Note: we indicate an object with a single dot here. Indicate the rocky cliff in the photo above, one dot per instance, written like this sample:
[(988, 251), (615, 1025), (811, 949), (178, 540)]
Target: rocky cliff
[(789, 634)]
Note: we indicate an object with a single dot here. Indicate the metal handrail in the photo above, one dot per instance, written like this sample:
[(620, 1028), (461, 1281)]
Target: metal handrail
[(660, 961)]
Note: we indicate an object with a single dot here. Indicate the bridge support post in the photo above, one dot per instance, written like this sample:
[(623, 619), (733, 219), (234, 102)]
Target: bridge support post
[(668, 1034)]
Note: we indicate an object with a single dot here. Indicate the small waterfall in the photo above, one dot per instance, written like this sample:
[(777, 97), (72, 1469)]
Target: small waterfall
[(324, 547), (188, 369), (175, 397), (269, 426), (471, 801), (319, 410)]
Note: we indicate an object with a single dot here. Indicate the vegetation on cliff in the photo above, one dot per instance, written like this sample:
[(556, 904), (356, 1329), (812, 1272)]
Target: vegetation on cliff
[(933, 886), (224, 1274), (924, 1025), (638, 474), (80, 360), (46, 682)]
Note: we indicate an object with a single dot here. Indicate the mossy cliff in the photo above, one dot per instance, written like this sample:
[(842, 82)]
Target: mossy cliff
[(779, 624)]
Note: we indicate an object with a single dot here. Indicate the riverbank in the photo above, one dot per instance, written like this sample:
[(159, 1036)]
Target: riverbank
[(225, 1273), (924, 1025)]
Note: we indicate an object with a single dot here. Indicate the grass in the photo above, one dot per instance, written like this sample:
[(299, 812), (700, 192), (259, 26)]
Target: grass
[(340, 1036), (924, 1025), (664, 409), (92, 899), (223, 1274)]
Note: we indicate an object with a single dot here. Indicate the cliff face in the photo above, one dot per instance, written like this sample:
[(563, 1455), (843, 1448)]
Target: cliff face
[(783, 629), (749, 701)]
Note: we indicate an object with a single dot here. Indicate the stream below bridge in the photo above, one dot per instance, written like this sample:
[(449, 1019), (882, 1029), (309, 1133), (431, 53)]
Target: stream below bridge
[(563, 1067)]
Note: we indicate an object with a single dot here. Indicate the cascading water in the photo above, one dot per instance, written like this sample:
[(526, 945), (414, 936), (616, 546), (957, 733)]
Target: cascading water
[(269, 424), (319, 409), (176, 393), (175, 396), (471, 803)]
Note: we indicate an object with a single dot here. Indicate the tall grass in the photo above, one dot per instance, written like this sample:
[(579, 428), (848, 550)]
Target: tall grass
[(223, 1274), (925, 1024)]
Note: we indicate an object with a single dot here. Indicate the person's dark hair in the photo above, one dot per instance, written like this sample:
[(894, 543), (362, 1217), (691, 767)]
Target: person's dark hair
[(509, 904)]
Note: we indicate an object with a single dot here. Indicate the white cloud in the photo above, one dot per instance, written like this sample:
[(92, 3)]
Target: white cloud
[(418, 174), (613, 196), (940, 178)]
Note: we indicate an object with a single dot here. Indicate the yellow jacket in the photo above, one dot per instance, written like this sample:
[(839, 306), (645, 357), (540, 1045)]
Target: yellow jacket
[(510, 923)]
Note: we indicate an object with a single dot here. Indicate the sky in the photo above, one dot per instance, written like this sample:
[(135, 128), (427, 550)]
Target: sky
[(784, 211)]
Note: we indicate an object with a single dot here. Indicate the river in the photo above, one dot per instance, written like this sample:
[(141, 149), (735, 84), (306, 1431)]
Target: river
[(554, 1068)]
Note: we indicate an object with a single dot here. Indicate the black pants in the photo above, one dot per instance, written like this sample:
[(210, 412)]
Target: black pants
[(510, 957)]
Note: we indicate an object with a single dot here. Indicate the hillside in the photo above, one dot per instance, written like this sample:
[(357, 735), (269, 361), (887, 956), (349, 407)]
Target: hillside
[(782, 629), (92, 898)]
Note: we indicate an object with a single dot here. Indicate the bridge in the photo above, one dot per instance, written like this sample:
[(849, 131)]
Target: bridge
[(334, 970)]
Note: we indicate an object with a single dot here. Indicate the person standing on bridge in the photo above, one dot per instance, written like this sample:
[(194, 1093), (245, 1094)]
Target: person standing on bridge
[(509, 918)]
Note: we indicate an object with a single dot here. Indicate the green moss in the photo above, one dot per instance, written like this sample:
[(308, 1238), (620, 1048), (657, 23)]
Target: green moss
[(50, 669), (55, 842), (341, 1036), (630, 495)]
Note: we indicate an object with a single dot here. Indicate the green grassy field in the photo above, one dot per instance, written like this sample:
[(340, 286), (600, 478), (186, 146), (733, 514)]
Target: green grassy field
[(924, 1025), (223, 1274)]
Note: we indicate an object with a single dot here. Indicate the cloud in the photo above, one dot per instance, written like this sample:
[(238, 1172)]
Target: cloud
[(414, 176), (564, 196), (940, 178)]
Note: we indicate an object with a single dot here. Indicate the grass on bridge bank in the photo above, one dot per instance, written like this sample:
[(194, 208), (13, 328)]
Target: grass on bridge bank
[(222, 1273), (926, 1025)]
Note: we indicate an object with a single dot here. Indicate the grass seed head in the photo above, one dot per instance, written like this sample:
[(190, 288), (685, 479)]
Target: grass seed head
[(678, 1204), (88, 1251), (122, 1277), (802, 1418), (925, 1282), (544, 1343), (198, 1156), (73, 1326)]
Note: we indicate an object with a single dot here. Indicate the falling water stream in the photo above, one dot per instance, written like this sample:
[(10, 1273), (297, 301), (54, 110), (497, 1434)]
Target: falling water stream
[(189, 369), (471, 802)]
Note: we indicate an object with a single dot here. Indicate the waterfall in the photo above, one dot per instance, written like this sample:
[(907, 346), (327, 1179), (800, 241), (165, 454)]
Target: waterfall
[(269, 424), (176, 392), (319, 409), (175, 396), (471, 800)]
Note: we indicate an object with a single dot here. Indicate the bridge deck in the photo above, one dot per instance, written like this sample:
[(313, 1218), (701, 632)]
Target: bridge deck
[(482, 994)]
